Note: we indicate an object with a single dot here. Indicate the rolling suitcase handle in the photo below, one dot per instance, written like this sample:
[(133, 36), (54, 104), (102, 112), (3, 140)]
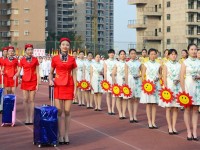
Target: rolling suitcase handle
[(2, 83), (52, 95)]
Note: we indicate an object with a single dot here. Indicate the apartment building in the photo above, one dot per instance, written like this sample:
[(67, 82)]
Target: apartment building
[(23, 21), (163, 24), (91, 19)]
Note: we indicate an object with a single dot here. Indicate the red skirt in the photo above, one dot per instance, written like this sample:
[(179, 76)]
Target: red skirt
[(29, 85), (64, 92), (9, 82)]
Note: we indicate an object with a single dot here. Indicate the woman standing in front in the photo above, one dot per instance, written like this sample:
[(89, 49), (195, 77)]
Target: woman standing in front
[(171, 79), (118, 76), (108, 68), (96, 76), (133, 79), (4, 56), (151, 70), (30, 81), (64, 86), (86, 76), (190, 83), (9, 69), (80, 63)]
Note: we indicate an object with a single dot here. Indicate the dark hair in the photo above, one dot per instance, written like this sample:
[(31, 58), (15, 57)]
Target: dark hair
[(184, 50), (81, 52), (190, 45), (89, 53), (97, 54), (144, 50), (74, 51), (111, 51), (166, 50), (152, 50), (122, 51), (171, 51), (198, 49), (132, 49)]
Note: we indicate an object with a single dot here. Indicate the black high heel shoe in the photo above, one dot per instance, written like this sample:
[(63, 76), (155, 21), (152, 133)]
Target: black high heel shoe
[(189, 138), (175, 132), (131, 121), (67, 143)]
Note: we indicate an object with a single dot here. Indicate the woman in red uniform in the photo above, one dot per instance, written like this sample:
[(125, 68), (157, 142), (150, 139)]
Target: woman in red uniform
[(30, 81), (64, 86), (4, 56), (9, 69)]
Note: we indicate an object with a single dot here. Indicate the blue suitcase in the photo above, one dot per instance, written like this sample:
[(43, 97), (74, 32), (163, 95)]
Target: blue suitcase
[(9, 110), (45, 126)]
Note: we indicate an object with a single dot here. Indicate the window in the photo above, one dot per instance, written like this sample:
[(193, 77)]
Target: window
[(26, 32), (15, 11), (168, 41), (16, 33), (160, 5), (168, 4), (168, 28), (16, 22), (26, 21), (26, 10), (159, 29), (168, 16)]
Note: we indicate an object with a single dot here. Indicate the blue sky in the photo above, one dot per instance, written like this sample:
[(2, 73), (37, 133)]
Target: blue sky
[(122, 34)]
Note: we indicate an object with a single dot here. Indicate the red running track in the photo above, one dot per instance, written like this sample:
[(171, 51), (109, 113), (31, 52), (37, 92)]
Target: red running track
[(92, 130)]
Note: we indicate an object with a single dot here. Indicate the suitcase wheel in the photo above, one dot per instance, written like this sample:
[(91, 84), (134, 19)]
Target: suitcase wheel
[(2, 124), (39, 145), (34, 143), (54, 145)]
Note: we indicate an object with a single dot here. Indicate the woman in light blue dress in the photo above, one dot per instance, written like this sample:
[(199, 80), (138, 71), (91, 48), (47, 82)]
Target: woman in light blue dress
[(80, 64), (133, 80), (108, 68), (151, 70), (96, 75), (118, 77), (171, 79), (86, 76), (190, 83)]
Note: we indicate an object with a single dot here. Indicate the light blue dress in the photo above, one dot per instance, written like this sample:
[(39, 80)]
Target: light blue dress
[(173, 73), (192, 86), (133, 83), (97, 68), (152, 72)]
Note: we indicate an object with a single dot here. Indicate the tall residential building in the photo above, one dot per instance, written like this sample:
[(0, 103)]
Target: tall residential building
[(163, 24), (23, 21), (92, 19)]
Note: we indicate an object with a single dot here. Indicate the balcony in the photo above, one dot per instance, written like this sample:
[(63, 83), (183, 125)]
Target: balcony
[(192, 8), (192, 34), (193, 21), (152, 11), (9, 12), (8, 23), (137, 2), (137, 24), (152, 36), (6, 34)]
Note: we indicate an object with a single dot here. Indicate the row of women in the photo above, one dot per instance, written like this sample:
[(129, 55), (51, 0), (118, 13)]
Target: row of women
[(70, 70), (182, 75)]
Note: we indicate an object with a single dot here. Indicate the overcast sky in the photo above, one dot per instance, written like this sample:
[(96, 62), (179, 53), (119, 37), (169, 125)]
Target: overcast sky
[(122, 34)]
